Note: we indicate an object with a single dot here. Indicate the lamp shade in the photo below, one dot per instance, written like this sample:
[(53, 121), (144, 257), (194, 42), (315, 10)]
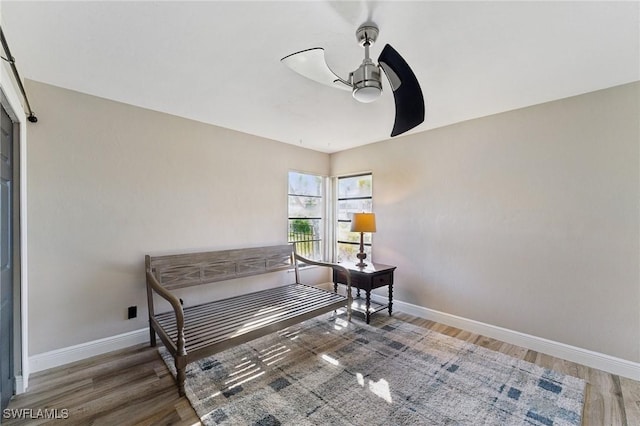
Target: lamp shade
[(363, 222)]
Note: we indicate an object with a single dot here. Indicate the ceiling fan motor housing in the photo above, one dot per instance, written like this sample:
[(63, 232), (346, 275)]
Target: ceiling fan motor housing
[(366, 82)]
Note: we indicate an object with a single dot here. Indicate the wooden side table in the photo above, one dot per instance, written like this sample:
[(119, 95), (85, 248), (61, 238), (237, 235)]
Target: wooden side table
[(372, 276)]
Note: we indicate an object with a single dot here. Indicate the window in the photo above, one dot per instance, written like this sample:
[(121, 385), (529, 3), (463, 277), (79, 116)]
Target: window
[(354, 196), (306, 212)]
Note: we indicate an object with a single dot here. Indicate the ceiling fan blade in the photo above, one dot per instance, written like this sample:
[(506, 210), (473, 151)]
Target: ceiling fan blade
[(310, 63), (406, 91)]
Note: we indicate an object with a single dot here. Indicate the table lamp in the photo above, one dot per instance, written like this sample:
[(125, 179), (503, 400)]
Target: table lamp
[(363, 222)]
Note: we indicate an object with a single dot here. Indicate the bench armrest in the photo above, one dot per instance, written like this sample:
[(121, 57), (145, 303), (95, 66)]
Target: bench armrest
[(335, 267), (153, 284)]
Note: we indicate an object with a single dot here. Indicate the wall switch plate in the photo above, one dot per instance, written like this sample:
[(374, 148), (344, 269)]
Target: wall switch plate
[(132, 312)]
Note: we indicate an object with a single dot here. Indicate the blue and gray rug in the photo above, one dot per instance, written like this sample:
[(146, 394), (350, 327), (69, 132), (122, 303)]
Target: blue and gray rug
[(329, 372)]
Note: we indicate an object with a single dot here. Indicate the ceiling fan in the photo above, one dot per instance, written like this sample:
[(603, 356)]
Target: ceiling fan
[(365, 83)]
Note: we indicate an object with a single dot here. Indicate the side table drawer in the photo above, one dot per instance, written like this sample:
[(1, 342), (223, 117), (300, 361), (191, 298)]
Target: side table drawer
[(382, 280), (357, 281)]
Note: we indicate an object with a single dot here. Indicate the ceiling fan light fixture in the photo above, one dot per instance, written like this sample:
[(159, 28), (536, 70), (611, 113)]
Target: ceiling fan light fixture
[(366, 82), (366, 94)]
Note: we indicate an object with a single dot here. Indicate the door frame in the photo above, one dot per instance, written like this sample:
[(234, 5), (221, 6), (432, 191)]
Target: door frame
[(12, 105)]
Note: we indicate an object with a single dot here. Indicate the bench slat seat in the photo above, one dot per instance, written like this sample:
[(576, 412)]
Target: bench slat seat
[(194, 332), (216, 324)]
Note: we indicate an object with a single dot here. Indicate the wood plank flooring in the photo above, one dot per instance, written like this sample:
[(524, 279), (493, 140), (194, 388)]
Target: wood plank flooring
[(134, 387)]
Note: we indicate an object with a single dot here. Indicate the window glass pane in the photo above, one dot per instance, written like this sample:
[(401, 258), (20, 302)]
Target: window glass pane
[(304, 184), (344, 234), (300, 206), (354, 186), (306, 234), (347, 207), (347, 253), (304, 229)]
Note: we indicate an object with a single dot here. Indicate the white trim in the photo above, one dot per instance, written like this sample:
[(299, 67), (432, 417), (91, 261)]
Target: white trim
[(582, 356), (74, 353), (10, 97), (20, 387)]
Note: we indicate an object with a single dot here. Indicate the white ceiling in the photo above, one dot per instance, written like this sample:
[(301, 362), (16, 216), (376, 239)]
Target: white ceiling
[(218, 62)]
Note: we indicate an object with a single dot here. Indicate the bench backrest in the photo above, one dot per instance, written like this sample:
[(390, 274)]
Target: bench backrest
[(189, 269)]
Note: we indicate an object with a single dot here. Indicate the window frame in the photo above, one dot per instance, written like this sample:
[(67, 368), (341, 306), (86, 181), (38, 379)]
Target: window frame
[(321, 236), (368, 240)]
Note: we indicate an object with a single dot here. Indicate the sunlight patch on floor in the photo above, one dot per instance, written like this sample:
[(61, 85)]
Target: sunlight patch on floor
[(242, 374), (292, 335), (248, 379), (329, 359), (242, 368), (275, 361), (275, 356), (379, 388), (271, 350), (341, 322), (255, 376)]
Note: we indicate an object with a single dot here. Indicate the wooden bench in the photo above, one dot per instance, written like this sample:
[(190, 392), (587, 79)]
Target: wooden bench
[(194, 332)]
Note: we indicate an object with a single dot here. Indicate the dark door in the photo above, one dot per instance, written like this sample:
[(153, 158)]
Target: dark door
[(6, 261)]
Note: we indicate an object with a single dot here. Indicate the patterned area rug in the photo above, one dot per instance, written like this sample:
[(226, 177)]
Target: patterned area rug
[(329, 372)]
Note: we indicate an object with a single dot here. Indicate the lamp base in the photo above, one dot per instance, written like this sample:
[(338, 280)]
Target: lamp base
[(361, 256)]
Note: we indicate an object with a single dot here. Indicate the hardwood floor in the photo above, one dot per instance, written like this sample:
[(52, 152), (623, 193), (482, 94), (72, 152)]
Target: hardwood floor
[(134, 387)]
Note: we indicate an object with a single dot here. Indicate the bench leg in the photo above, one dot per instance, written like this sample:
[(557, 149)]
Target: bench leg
[(181, 378), (180, 374), (152, 336)]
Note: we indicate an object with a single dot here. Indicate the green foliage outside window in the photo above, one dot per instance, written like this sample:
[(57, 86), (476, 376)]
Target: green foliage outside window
[(301, 226)]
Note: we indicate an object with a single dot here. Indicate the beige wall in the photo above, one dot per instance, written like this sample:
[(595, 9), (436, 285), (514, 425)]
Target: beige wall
[(527, 220), (109, 183)]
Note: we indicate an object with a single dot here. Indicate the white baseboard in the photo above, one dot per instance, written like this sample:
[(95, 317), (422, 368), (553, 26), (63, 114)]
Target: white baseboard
[(586, 357), (74, 353)]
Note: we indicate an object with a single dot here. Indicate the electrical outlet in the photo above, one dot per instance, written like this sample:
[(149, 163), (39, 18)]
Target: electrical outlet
[(132, 312)]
